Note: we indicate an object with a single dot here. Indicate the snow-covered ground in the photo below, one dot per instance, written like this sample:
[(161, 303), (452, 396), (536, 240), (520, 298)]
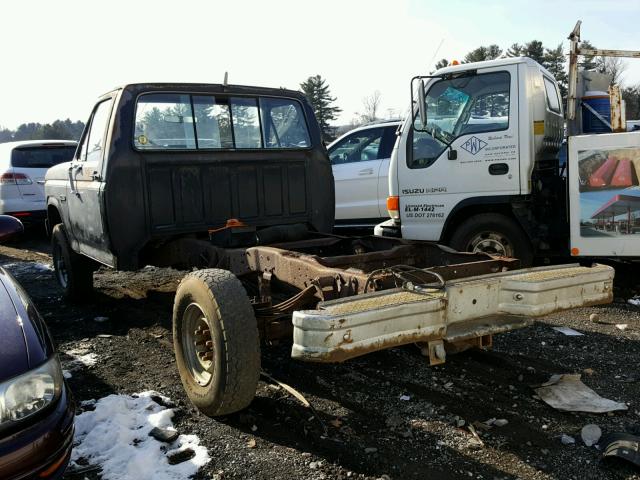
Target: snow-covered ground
[(21, 268), (81, 357), (115, 436)]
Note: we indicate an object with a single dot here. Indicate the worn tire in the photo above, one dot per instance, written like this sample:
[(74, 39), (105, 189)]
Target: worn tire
[(74, 272), (493, 230), (227, 382)]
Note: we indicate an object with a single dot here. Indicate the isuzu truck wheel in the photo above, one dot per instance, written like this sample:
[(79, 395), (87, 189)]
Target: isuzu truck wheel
[(494, 234), (73, 272), (216, 342)]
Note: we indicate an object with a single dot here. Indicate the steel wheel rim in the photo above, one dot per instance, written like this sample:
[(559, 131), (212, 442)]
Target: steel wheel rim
[(492, 243), (197, 344), (60, 267)]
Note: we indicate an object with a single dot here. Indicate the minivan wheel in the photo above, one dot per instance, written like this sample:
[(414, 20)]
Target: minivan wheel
[(73, 272), (216, 342), (494, 234)]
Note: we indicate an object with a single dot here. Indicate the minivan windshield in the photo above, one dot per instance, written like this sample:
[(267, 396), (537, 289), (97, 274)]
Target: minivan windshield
[(41, 156)]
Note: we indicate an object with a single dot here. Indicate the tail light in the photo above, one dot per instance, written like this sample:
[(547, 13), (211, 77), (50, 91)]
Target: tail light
[(15, 179), (393, 207)]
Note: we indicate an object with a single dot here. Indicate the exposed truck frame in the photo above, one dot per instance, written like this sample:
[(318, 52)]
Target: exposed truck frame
[(254, 224)]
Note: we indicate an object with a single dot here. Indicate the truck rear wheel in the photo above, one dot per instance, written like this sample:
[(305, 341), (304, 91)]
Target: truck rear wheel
[(216, 342), (74, 272), (494, 234)]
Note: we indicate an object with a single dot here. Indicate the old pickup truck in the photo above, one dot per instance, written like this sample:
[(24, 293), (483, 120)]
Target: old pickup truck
[(235, 183)]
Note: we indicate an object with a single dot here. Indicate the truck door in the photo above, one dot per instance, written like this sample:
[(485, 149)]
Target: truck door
[(86, 187), (467, 149)]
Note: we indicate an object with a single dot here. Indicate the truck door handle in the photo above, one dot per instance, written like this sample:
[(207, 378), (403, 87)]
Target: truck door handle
[(73, 171), (366, 171), (498, 169)]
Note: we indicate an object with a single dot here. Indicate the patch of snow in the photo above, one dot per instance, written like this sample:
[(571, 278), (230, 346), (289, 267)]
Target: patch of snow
[(567, 331), (634, 301), (22, 268), (115, 436), (80, 357), (66, 374)]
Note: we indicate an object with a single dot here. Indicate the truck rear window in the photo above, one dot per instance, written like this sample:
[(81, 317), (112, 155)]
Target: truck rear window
[(41, 156), (171, 121)]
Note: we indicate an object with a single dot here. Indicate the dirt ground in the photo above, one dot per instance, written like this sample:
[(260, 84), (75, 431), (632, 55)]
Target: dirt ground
[(384, 415)]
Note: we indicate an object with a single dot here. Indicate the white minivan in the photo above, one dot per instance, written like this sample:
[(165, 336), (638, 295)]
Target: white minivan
[(22, 169)]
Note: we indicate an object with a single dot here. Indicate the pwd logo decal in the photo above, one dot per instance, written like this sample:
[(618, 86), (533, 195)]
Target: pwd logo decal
[(474, 145)]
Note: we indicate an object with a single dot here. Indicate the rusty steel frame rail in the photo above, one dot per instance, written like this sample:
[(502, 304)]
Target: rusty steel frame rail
[(348, 275)]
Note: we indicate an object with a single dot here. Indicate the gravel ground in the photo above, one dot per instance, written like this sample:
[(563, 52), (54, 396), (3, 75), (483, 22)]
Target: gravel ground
[(384, 415)]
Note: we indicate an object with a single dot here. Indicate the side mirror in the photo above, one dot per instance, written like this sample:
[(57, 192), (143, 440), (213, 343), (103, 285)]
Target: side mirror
[(422, 104), (10, 228)]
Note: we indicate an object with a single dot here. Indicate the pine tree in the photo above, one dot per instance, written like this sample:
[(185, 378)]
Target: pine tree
[(534, 50), (317, 92), (481, 54), (631, 96), (515, 50), (6, 135), (554, 60), (442, 63), (587, 62)]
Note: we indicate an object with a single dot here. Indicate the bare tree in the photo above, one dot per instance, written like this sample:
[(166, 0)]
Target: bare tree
[(371, 104), (614, 66)]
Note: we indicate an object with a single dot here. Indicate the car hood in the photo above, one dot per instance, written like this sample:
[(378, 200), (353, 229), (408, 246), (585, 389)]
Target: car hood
[(25, 341)]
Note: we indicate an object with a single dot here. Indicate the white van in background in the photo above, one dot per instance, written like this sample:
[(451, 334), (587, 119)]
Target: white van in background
[(22, 169)]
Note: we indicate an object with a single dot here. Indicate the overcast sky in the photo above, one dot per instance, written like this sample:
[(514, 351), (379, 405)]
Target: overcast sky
[(58, 56)]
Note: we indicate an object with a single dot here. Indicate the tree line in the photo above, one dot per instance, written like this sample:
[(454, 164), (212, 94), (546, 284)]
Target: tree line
[(326, 110), (556, 61), (58, 130), (553, 59)]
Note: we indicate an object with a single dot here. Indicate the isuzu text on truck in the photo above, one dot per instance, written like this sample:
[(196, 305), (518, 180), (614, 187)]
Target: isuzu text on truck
[(477, 165), (236, 183)]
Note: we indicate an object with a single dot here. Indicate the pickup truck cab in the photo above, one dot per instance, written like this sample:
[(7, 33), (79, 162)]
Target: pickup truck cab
[(158, 161), (235, 183)]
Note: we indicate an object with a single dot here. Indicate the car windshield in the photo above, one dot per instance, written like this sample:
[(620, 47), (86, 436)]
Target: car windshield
[(41, 156)]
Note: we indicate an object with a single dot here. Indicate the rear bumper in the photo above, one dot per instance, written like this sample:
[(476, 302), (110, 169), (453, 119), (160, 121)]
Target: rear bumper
[(44, 446), (466, 309)]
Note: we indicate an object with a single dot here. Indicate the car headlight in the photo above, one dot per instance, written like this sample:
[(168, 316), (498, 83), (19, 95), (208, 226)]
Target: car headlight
[(30, 392)]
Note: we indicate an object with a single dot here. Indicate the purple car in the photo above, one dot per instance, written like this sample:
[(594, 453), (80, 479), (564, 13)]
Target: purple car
[(36, 408)]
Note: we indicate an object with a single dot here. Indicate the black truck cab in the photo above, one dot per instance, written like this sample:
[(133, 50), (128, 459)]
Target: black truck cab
[(160, 161)]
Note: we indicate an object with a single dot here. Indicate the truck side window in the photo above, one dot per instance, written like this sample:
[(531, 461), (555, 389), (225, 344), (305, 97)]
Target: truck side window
[(164, 120), (456, 107), (246, 122), (553, 102), (93, 142), (358, 147), (283, 124)]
